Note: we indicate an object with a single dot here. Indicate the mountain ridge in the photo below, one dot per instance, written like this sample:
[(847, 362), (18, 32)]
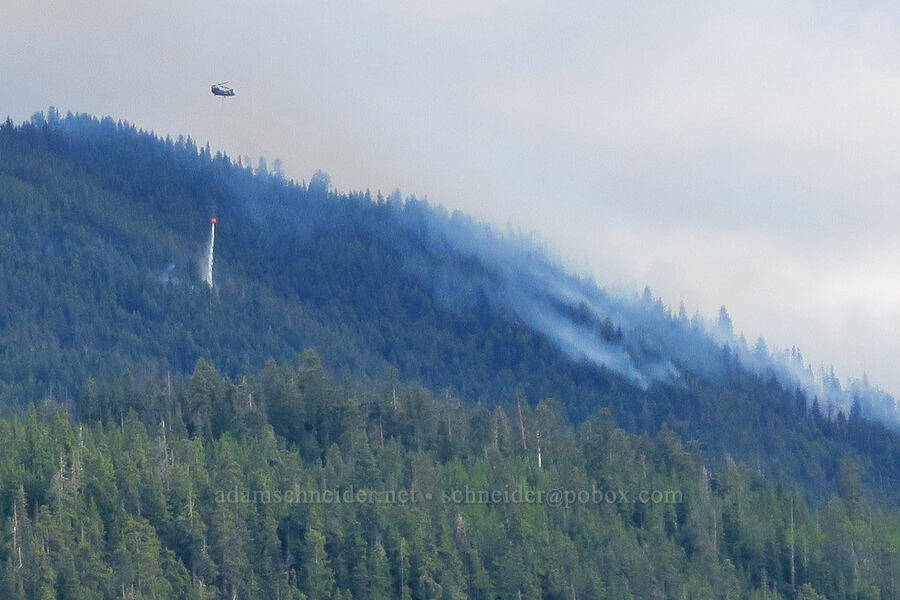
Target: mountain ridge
[(113, 220)]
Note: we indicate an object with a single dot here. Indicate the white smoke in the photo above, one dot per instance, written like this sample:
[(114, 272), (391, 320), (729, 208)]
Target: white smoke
[(636, 336)]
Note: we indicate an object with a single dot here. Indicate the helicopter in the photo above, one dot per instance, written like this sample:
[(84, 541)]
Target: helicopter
[(220, 89)]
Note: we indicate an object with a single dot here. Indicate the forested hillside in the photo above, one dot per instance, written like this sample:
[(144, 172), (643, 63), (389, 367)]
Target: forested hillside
[(103, 228), (289, 485)]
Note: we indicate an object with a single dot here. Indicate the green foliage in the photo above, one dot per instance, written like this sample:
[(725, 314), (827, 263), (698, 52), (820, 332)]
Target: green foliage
[(158, 466), (102, 229), (163, 505)]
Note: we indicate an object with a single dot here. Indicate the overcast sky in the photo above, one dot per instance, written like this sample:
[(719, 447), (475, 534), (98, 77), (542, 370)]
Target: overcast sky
[(742, 156)]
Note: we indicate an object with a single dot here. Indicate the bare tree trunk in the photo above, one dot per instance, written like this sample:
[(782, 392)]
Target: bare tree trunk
[(522, 429), (793, 566), (540, 461), (15, 533)]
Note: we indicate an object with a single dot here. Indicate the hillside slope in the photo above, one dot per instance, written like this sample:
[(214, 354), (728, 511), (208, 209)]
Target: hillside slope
[(286, 485), (103, 228)]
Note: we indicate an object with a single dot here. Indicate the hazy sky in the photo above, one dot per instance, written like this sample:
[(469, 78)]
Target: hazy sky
[(745, 156)]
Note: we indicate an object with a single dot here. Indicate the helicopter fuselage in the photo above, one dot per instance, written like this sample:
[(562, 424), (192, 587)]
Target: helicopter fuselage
[(221, 90)]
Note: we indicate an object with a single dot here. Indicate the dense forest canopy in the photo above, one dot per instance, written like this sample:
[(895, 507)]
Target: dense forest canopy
[(139, 404), (210, 487), (104, 229)]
